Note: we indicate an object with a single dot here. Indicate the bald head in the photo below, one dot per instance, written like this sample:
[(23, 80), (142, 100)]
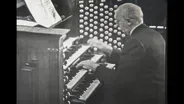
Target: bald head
[(128, 15), (130, 11)]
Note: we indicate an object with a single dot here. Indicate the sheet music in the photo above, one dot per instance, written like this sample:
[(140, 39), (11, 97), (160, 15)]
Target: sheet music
[(26, 23), (43, 12)]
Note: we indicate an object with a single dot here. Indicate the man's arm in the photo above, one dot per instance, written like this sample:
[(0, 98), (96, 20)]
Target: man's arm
[(114, 56), (127, 61)]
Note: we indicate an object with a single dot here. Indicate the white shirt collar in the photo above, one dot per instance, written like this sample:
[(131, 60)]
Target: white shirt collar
[(135, 28)]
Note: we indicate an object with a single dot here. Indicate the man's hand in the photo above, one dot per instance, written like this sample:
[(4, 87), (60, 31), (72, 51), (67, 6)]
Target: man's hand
[(100, 45), (88, 64)]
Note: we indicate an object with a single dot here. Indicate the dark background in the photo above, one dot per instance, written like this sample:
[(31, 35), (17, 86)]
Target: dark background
[(155, 13)]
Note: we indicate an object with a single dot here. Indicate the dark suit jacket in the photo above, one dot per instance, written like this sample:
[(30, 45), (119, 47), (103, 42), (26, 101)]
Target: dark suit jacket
[(140, 74)]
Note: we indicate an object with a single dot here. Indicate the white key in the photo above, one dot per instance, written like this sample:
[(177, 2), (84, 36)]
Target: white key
[(90, 90), (96, 57)]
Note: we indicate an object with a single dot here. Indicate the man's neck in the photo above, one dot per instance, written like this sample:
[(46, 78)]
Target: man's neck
[(135, 28)]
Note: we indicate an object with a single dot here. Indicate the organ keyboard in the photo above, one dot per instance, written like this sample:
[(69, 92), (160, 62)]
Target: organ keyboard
[(79, 82), (81, 73), (69, 42), (90, 90), (76, 79), (74, 56)]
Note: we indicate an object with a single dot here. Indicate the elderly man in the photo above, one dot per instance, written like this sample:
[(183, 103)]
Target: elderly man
[(140, 74)]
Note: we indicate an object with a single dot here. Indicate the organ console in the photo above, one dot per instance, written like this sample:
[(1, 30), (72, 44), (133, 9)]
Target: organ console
[(48, 65), (79, 82)]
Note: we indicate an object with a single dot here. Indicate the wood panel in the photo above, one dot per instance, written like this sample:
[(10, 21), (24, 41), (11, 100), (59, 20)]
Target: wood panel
[(39, 75)]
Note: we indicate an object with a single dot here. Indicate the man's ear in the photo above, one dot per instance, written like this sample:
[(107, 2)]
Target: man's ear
[(129, 22)]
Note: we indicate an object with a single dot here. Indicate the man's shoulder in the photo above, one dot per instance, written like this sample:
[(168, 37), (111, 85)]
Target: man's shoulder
[(144, 29), (145, 34), (134, 42)]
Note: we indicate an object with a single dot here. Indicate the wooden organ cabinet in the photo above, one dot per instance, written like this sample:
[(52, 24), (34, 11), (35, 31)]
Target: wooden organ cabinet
[(46, 72), (46, 60), (39, 65)]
